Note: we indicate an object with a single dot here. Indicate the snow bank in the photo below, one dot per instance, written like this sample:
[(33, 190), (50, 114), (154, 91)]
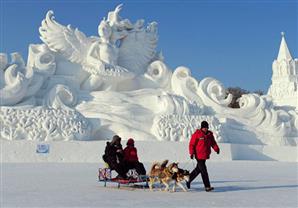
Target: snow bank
[(91, 152)]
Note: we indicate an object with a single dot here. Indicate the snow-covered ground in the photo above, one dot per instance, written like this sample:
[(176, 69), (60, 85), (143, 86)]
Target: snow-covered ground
[(237, 184)]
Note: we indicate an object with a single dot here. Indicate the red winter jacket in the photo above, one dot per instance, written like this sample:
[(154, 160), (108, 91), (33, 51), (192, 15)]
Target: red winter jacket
[(200, 144), (130, 154)]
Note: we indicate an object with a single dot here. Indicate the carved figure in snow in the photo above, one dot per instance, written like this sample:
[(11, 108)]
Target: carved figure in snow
[(121, 51)]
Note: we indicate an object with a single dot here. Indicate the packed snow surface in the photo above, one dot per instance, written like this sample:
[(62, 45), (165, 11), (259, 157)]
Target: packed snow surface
[(237, 184)]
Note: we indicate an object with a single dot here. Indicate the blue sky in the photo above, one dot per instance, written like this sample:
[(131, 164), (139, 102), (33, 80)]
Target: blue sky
[(232, 41)]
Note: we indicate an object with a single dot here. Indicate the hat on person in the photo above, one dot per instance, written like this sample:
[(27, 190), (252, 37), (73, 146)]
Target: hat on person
[(130, 141), (115, 139), (204, 124)]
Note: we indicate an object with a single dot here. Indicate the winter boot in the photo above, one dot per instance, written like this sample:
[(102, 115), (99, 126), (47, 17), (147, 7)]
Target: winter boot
[(188, 184), (208, 189)]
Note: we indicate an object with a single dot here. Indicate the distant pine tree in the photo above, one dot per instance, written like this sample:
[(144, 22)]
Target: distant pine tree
[(259, 92), (237, 92)]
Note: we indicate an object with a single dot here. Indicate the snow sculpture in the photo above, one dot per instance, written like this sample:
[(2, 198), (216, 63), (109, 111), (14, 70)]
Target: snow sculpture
[(15, 80), (24, 87), (100, 56), (89, 88), (284, 88)]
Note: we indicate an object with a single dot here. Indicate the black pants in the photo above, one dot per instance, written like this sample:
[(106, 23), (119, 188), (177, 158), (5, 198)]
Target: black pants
[(119, 168), (200, 168), (136, 165)]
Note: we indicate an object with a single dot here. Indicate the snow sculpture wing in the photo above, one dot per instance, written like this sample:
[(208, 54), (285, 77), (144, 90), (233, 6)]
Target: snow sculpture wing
[(138, 49), (71, 43)]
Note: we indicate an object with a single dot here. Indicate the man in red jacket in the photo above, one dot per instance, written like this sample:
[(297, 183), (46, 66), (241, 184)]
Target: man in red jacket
[(200, 147)]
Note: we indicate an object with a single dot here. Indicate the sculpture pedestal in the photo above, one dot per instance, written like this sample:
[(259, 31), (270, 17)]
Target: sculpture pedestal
[(91, 152)]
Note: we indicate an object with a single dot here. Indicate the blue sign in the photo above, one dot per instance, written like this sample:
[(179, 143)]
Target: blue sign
[(43, 148)]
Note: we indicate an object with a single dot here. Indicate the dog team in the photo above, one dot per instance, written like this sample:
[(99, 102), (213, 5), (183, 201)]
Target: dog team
[(200, 144)]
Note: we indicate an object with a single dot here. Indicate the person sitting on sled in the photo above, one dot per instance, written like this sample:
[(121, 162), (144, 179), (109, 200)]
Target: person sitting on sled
[(131, 159), (114, 156)]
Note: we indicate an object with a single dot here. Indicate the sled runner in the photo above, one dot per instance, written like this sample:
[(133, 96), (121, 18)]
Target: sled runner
[(105, 176)]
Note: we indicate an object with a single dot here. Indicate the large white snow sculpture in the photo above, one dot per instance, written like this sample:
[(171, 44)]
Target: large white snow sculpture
[(89, 88)]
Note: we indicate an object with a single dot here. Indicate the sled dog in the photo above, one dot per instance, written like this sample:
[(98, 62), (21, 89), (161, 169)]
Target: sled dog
[(181, 175), (162, 173)]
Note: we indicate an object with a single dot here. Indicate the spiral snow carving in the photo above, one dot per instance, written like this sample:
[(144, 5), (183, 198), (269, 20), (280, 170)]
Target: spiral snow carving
[(61, 96), (213, 93), (41, 59), (15, 79), (19, 82), (185, 85), (159, 73), (260, 112)]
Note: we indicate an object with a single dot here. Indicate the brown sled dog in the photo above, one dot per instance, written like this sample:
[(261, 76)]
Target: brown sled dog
[(162, 173), (181, 175)]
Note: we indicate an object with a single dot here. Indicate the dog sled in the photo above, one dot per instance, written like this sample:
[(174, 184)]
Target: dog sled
[(160, 173), (133, 180)]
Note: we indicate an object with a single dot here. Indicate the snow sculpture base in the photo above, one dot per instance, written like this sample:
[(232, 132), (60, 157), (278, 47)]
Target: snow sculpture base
[(87, 152), (43, 124)]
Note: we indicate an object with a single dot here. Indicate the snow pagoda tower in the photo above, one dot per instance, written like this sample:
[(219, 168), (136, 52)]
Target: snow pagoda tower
[(283, 89)]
